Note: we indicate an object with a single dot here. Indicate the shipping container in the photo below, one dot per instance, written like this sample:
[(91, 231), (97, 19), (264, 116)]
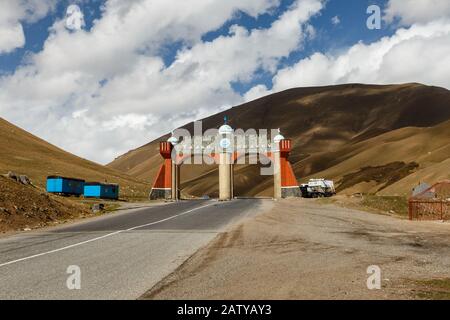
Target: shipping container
[(65, 186), (101, 190)]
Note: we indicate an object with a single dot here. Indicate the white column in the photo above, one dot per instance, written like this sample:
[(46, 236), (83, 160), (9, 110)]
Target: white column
[(232, 180), (174, 181), (224, 176), (277, 174), (178, 180)]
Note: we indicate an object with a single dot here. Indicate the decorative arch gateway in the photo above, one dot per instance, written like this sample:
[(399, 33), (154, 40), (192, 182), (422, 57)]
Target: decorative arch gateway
[(226, 154)]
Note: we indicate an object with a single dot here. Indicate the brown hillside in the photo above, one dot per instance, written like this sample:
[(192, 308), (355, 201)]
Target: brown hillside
[(26, 154), (351, 133), (25, 206)]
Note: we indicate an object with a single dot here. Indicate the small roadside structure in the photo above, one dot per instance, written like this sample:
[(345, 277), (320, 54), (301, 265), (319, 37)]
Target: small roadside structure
[(101, 190), (420, 188), (65, 186), (432, 203)]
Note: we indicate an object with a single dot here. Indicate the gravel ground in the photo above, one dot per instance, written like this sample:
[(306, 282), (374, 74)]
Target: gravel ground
[(304, 249)]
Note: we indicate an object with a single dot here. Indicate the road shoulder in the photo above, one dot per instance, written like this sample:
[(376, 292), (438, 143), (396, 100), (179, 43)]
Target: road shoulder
[(302, 249)]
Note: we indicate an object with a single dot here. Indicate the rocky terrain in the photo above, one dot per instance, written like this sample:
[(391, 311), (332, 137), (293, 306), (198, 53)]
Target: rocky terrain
[(26, 207)]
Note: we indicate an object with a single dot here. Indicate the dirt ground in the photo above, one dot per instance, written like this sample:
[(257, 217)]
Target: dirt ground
[(24, 207), (305, 249), (28, 207)]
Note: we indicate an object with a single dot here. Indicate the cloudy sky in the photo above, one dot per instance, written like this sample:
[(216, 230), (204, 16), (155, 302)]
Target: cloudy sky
[(101, 77)]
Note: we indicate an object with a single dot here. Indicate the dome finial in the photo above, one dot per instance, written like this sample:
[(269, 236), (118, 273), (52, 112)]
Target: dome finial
[(278, 137), (173, 140), (225, 128)]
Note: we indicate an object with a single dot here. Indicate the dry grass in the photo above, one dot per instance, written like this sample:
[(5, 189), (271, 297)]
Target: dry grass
[(389, 204), (433, 289), (382, 175)]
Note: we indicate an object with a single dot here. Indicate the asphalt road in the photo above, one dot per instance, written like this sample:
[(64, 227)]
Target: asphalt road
[(120, 256)]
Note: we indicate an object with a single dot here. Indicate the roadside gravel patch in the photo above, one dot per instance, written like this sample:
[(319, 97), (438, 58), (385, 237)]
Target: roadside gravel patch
[(304, 249)]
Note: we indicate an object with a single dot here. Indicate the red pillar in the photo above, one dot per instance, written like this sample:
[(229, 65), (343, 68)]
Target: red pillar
[(162, 186), (289, 183)]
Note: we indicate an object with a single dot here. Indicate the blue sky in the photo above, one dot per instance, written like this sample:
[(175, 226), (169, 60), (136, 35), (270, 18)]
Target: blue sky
[(351, 29), (90, 75), (37, 32)]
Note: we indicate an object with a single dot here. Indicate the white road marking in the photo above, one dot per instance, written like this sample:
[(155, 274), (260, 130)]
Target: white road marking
[(102, 237)]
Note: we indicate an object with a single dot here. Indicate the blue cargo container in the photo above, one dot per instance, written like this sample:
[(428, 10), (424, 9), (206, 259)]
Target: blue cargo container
[(65, 186), (101, 190)]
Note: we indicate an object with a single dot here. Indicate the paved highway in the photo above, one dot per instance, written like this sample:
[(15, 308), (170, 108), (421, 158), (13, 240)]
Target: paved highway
[(120, 256)]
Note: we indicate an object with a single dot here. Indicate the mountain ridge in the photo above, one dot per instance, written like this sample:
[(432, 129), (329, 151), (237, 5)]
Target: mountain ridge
[(336, 130)]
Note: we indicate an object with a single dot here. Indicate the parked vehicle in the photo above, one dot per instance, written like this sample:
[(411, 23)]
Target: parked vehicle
[(317, 188)]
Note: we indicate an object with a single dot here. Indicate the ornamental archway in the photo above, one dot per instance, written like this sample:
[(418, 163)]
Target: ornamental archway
[(226, 152)]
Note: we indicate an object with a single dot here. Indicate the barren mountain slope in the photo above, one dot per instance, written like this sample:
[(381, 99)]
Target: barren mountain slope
[(26, 154), (25, 206), (368, 138)]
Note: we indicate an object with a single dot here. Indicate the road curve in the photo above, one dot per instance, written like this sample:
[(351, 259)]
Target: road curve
[(120, 256)]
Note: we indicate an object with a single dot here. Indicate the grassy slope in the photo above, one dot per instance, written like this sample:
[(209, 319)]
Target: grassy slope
[(26, 154), (336, 131)]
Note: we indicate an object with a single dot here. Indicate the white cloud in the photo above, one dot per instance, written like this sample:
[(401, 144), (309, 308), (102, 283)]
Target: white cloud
[(256, 92), (13, 13), (108, 89), (11, 37), (335, 20), (420, 53), (74, 18), (417, 11)]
